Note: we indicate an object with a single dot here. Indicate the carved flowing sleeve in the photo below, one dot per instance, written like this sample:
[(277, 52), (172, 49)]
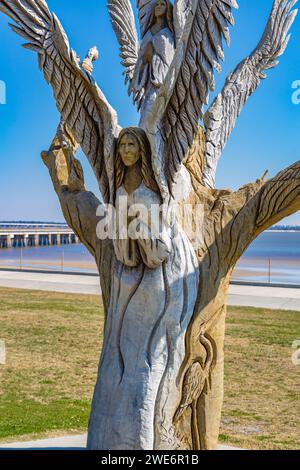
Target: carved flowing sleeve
[(79, 209)]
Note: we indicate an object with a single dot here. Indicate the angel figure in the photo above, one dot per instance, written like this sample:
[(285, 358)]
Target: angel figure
[(160, 293), (136, 184), (155, 56), (147, 65), (147, 287)]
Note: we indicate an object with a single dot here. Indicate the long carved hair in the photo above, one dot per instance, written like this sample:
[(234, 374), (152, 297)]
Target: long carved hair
[(145, 157), (169, 16)]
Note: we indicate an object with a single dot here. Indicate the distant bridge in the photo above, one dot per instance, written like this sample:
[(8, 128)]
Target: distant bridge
[(23, 235)]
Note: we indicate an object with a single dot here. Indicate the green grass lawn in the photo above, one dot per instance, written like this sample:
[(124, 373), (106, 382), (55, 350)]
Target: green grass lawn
[(53, 344), (262, 385)]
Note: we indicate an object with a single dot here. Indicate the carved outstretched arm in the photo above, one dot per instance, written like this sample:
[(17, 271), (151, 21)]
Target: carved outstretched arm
[(78, 205), (245, 214), (278, 198)]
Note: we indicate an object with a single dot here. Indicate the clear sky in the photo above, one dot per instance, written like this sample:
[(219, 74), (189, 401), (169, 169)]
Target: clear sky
[(266, 136)]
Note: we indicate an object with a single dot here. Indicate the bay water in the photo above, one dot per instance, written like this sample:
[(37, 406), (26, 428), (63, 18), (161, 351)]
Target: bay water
[(273, 256)]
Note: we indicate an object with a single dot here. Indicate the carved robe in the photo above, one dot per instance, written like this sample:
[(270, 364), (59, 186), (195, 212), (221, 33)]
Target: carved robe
[(150, 76), (150, 248), (149, 310), (136, 397)]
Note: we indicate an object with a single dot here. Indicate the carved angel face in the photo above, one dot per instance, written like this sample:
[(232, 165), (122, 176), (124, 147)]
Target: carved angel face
[(133, 146), (160, 8), (129, 150)]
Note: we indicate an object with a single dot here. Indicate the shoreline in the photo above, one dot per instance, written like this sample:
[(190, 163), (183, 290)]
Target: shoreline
[(274, 258)]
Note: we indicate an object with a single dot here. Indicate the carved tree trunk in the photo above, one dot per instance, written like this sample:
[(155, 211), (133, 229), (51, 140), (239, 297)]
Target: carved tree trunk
[(192, 406), (232, 222), (163, 387)]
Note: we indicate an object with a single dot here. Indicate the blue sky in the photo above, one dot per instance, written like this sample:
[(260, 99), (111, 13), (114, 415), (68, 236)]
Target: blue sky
[(266, 136)]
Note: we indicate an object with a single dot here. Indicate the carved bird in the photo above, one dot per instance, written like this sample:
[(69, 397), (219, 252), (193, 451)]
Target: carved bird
[(92, 56), (194, 383)]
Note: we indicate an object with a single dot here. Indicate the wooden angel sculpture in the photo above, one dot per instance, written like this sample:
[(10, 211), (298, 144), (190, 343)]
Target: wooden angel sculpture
[(164, 298), (147, 65)]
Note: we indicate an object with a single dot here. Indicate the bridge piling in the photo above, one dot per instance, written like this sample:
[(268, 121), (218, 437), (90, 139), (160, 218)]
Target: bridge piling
[(29, 235)]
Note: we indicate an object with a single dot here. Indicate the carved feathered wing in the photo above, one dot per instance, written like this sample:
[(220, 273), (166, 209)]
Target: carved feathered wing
[(123, 22), (145, 8), (81, 103), (182, 9), (173, 122), (221, 117)]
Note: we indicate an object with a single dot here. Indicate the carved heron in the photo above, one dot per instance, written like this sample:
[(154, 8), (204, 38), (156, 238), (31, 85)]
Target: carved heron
[(195, 381)]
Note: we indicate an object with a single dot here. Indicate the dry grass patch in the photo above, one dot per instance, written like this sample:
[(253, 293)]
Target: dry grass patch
[(53, 343), (262, 385)]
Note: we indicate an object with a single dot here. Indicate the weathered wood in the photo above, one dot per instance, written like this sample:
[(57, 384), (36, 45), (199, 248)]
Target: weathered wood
[(160, 383)]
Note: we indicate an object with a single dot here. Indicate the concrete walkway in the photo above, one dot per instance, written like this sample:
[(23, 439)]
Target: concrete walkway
[(284, 298), (57, 443), (68, 283), (62, 443)]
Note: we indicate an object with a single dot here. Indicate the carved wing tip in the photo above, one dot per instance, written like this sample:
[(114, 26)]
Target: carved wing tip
[(283, 47), (293, 14), (33, 47), (123, 23), (220, 118)]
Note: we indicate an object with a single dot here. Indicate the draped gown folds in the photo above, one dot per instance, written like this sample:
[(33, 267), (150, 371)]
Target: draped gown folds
[(144, 340), (150, 76)]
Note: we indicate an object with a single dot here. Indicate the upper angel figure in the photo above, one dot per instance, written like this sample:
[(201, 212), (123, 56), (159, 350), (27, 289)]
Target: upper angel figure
[(147, 63), (170, 76), (155, 56)]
